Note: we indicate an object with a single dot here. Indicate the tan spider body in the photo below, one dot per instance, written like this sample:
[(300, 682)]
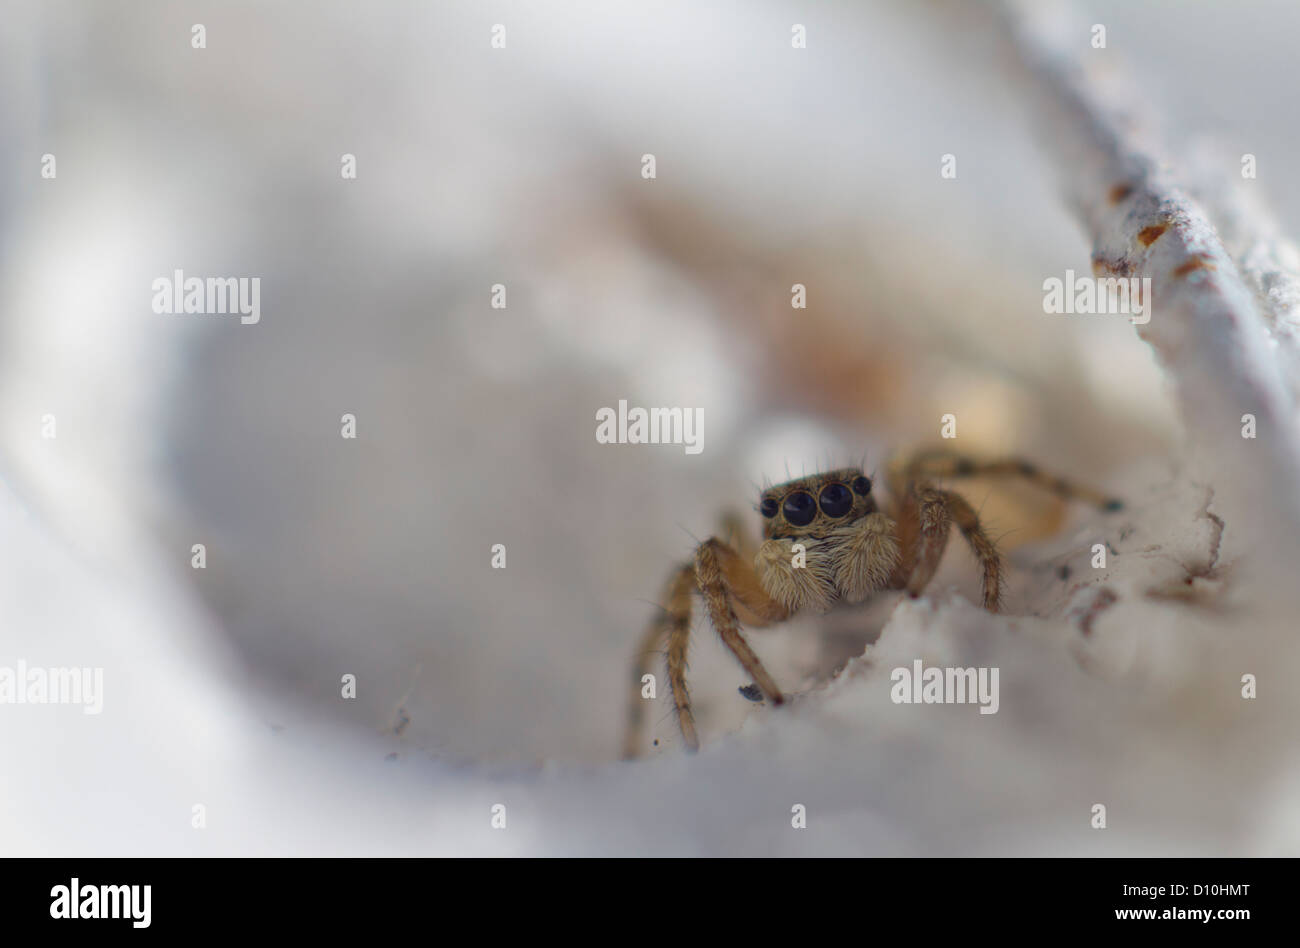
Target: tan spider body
[(824, 539)]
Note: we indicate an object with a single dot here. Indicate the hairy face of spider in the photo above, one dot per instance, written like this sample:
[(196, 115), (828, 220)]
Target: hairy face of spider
[(814, 506)]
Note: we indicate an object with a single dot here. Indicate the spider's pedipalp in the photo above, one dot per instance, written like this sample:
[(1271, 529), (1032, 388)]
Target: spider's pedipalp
[(796, 587), (865, 557)]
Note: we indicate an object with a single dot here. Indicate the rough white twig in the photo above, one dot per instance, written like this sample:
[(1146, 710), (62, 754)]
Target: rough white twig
[(1223, 317)]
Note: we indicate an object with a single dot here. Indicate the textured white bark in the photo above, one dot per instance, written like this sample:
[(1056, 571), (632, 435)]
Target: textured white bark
[(1225, 285)]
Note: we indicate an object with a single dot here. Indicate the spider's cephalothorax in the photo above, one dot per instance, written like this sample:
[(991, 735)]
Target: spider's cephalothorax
[(824, 539)]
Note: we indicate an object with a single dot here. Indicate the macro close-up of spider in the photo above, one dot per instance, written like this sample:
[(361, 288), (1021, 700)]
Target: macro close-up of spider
[(826, 541)]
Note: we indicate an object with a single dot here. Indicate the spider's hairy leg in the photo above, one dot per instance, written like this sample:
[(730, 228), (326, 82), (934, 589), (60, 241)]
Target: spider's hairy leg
[(679, 636), (866, 557), (941, 463), (934, 521), (747, 597), (651, 641), (673, 624), (925, 516), (968, 522), (724, 577)]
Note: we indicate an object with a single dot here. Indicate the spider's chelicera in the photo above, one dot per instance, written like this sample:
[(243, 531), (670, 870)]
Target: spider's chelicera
[(825, 540)]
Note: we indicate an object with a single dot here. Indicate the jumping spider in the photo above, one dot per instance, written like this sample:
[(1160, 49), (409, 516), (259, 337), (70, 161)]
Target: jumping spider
[(824, 539)]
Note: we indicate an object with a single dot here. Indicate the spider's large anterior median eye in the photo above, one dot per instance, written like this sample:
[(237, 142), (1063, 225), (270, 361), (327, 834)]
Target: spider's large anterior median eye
[(836, 500), (800, 508), (862, 485), (768, 507)]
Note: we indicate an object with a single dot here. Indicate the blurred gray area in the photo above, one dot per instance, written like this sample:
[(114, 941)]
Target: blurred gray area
[(476, 426)]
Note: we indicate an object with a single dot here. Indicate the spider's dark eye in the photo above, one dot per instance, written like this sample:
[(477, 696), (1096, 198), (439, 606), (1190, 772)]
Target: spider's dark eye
[(768, 507), (800, 508), (862, 485), (836, 500)]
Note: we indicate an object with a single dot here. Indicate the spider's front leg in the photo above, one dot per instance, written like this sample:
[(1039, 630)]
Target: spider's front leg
[(725, 578), (926, 518), (728, 584)]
